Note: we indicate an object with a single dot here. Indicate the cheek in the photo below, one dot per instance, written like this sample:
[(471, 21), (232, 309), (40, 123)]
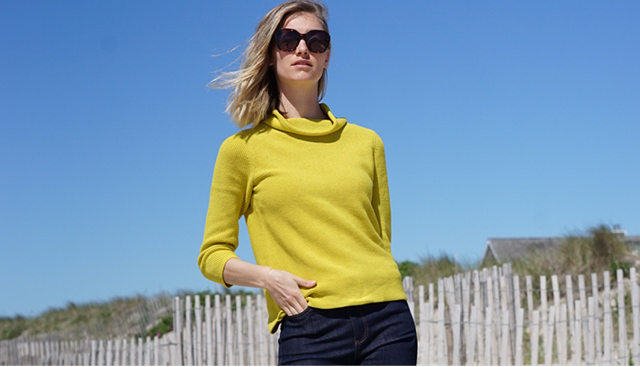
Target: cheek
[(327, 56), (278, 69), (277, 64)]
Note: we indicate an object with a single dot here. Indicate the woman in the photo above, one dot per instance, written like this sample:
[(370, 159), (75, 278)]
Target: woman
[(314, 194)]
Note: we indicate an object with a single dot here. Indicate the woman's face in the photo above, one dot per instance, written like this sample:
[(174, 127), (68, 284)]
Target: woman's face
[(300, 68)]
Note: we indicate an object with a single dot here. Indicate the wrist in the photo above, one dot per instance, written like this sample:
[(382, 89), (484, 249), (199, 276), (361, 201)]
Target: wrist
[(264, 277)]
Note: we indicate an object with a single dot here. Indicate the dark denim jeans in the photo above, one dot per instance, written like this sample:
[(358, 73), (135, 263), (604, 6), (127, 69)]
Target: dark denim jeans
[(373, 334)]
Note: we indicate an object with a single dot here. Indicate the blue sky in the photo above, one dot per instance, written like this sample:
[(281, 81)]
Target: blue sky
[(500, 119)]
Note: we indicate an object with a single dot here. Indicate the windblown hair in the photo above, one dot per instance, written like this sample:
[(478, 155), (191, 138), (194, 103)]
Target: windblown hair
[(254, 91)]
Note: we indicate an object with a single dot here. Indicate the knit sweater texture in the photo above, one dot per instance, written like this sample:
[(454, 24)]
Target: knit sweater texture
[(315, 198)]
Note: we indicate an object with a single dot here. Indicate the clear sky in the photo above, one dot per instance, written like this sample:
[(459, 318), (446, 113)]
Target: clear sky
[(500, 119)]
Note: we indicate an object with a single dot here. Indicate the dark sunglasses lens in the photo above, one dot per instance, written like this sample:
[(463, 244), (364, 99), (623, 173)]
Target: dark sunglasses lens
[(287, 40), (317, 41)]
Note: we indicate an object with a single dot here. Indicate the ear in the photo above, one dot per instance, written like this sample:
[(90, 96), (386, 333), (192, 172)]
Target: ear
[(326, 60)]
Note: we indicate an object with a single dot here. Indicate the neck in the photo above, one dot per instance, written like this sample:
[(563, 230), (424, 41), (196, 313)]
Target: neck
[(300, 103)]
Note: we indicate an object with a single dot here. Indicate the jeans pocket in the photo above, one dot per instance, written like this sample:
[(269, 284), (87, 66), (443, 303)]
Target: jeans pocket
[(300, 316)]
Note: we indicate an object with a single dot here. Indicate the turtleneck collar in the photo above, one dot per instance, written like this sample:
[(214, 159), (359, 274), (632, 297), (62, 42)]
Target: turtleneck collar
[(303, 126)]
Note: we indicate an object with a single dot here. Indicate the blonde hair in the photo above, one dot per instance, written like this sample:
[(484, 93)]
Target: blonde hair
[(254, 91)]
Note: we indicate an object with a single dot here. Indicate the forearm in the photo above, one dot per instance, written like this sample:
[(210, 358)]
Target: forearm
[(283, 286), (242, 273)]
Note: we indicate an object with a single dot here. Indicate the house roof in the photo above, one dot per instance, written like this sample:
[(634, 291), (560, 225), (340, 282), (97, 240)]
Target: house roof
[(508, 249)]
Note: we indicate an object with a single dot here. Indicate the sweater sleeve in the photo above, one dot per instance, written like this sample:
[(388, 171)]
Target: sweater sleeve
[(230, 196), (381, 202)]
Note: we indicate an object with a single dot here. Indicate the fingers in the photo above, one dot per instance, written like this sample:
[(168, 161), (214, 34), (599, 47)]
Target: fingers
[(304, 283), (295, 307), (284, 288)]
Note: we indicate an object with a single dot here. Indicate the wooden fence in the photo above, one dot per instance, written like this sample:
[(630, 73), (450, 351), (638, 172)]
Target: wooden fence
[(486, 317)]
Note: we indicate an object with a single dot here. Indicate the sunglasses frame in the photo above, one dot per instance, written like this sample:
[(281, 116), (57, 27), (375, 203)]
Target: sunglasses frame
[(282, 31)]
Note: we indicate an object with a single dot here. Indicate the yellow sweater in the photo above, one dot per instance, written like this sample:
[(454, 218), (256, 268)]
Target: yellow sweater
[(315, 197)]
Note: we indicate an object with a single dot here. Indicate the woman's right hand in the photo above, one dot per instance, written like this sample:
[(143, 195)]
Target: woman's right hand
[(284, 288)]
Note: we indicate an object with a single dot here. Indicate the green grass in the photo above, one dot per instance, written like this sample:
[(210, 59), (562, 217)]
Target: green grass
[(599, 250), (137, 316), (118, 317)]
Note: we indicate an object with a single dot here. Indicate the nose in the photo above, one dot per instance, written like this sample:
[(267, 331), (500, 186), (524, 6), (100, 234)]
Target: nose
[(302, 48)]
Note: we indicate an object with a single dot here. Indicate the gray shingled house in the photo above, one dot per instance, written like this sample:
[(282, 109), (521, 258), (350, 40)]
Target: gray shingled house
[(502, 250)]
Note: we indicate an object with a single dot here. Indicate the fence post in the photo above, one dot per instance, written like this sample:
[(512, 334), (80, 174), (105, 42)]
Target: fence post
[(578, 341), (198, 331), (141, 352), (623, 358), (594, 293), (228, 331), (407, 284), (471, 344), (548, 346), (608, 322), (442, 335), (431, 324), (133, 353), (519, 336), (504, 306), (422, 327), (455, 328), (530, 308), (217, 321), (488, 338), (116, 357), (543, 310), (147, 351), (156, 351), (480, 298), (504, 348), (466, 309), (208, 327), (94, 353), (188, 335), (535, 337), (250, 334), (555, 287), (635, 304), (262, 346), (562, 332), (590, 338), (239, 336), (568, 284), (177, 325), (109, 353)]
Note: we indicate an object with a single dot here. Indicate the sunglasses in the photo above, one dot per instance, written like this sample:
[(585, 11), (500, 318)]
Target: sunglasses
[(288, 39)]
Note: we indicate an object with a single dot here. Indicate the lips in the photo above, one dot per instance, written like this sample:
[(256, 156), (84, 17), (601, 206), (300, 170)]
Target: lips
[(302, 63)]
